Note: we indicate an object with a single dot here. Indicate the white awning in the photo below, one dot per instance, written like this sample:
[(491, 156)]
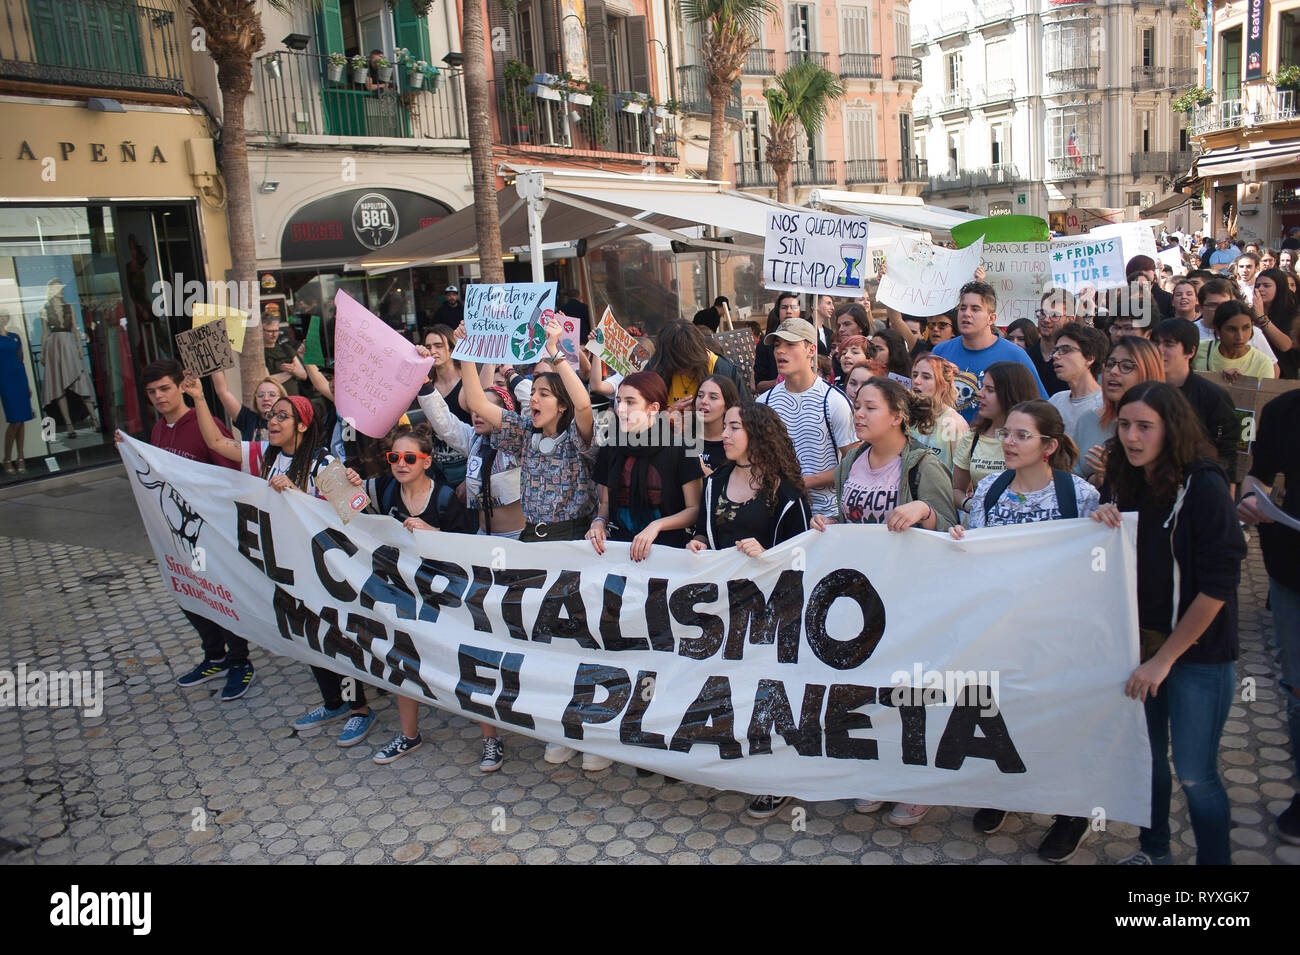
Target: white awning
[(1237, 159), (905, 211)]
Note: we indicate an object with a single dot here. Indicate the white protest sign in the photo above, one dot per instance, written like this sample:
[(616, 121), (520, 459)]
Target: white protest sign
[(923, 279), (506, 323), (1019, 273), (824, 669), (1136, 238), (1087, 262), (1172, 257), (819, 252)]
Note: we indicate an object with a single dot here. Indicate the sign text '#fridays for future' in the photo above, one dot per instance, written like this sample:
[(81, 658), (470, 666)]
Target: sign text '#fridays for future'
[(815, 252)]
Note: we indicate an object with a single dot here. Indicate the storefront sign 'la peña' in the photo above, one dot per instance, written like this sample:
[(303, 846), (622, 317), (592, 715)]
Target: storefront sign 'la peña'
[(125, 152)]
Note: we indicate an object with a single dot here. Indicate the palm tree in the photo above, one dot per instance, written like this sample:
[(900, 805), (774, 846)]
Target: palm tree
[(487, 221), (733, 26), (800, 97)]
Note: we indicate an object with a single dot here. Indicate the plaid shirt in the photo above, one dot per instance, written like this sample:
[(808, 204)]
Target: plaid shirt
[(553, 487)]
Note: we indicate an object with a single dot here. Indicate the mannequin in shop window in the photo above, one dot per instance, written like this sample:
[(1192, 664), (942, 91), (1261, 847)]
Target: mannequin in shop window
[(66, 384), (15, 395)]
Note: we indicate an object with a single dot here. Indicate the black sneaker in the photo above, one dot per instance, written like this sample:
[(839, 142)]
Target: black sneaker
[(1288, 824), (764, 806), (989, 821), (205, 671), (399, 747), (1063, 839), (493, 754), (238, 679)]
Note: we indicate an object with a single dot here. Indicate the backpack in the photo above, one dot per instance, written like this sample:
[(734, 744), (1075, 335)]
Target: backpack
[(442, 498), (826, 408), (1066, 497)]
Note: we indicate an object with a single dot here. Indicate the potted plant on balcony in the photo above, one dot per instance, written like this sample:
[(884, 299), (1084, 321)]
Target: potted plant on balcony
[(1194, 97), (546, 86), (335, 66), (632, 102), (383, 69), (1288, 77), (515, 103), (272, 63), (360, 69)]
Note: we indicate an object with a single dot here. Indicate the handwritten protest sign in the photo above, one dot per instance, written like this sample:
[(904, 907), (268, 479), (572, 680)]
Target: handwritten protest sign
[(1019, 272), (377, 372), (924, 279), (347, 501), (816, 252), (569, 330), (611, 343), (1087, 262), (205, 349), (236, 320), (506, 323)]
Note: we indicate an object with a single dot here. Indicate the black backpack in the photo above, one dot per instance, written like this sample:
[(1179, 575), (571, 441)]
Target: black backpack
[(442, 497), (1066, 498)]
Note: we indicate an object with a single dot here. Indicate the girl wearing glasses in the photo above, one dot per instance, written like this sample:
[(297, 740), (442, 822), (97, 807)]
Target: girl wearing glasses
[(1189, 553), (291, 457), (936, 378), (978, 452), (1131, 362), (1039, 456)]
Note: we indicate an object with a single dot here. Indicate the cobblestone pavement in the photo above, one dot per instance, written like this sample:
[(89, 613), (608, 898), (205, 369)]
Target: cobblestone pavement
[(135, 783)]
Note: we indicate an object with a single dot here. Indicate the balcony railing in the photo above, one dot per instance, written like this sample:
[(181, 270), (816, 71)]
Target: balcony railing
[(1181, 76), (860, 65), (299, 94), (952, 100), (760, 62), (545, 124), (1160, 163), (913, 170), (866, 170), (1149, 77), (1263, 106), (991, 11), (907, 68), (805, 56), (921, 108), (998, 174), (97, 44), (819, 172), (1073, 167), (953, 22), (997, 91), (920, 34), (693, 89), (1072, 79), (751, 175)]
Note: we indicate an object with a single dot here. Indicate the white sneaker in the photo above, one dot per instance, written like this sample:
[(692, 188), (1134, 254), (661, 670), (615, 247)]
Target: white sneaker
[(594, 764), (866, 806), (908, 814), (555, 753)]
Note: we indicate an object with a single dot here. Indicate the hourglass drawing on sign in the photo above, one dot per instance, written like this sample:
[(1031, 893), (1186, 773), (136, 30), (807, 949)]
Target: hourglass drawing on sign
[(852, 256)]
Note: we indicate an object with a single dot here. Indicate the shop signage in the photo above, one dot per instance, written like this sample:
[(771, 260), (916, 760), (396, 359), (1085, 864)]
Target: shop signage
[(355, 223), (1254, 39), (124, 152)]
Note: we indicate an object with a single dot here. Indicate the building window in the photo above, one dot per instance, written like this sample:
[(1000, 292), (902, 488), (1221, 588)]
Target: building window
[(1000, 143), (855, 30), (1182, 140), (952, 72), (1149, 47), (1230, 58), (905, 136), (1134, 199), (997, 61), (954, 152), (752, 137), (1144, 130), (1071, 133), (902, 34), (860, 126), (801, 26)]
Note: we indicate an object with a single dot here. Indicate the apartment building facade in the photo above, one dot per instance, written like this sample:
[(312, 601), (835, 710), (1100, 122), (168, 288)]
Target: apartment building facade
[(1038, 107)]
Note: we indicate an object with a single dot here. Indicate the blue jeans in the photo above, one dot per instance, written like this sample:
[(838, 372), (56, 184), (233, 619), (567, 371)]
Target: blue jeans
[(1286, 621), (1191, 708)]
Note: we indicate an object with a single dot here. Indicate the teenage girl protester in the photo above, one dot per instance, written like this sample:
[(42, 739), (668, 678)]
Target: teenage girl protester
[(717, 394), (935, 378), (978, 452), (1131, 362)]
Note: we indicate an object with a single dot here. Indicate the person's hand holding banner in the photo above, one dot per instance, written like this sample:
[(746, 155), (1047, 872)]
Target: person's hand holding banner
[(377, 372)]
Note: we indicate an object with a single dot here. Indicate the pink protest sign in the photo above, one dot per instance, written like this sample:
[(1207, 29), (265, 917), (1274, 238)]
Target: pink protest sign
[(377, 372), (569, 338)]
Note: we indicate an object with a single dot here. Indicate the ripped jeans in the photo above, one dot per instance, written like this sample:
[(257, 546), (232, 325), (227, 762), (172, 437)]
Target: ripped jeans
[(1191, 708)]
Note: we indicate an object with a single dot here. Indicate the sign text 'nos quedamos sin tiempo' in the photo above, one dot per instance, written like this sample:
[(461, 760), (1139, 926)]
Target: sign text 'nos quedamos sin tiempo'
[(826, 669), (923, 279), (377, 372), (506, 323), (815, 252)]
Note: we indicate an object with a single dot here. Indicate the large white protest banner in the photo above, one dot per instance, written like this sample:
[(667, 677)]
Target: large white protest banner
[(1087, 262), (923, 279), (811, 251), (827, 668), (1019, 272), (506, 323)]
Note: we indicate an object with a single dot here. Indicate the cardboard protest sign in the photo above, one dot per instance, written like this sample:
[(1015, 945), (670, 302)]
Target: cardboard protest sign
[(738, 346), (611, 343), (347, 501), (1079, 221), (1249, 396), (377, 372), (1019, 272), (313, 351), (205, 349), (923, 279), (819, 252), (236, 320), (1087, 262), (506, 323), (1000, 229)]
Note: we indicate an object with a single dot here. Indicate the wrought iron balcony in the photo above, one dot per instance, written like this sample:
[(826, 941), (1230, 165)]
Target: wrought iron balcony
[(805, 56), (866, 170), (545, 123), (97, 44), (760, 62), (1073, 167), (1070, 79), (302, 94), (753, 175), (921, 108), (913, 170), (1149, 77), (860, 65), (907, 68), (998, 174), (953, 100), (693, 89), (997, 91), (1263, 106), (1181, 76), (819, 172)]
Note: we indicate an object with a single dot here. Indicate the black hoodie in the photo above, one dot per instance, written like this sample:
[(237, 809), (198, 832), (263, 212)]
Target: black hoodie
[(1203, 557), (788, 517)]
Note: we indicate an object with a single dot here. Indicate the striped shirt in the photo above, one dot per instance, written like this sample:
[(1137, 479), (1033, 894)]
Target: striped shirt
[(806, 415)]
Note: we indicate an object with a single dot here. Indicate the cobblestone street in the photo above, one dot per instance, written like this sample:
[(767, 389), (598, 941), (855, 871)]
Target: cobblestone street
[(166, 775)]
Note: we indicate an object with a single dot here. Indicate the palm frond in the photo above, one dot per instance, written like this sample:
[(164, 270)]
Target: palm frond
[(747, 14), (803, 91)]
